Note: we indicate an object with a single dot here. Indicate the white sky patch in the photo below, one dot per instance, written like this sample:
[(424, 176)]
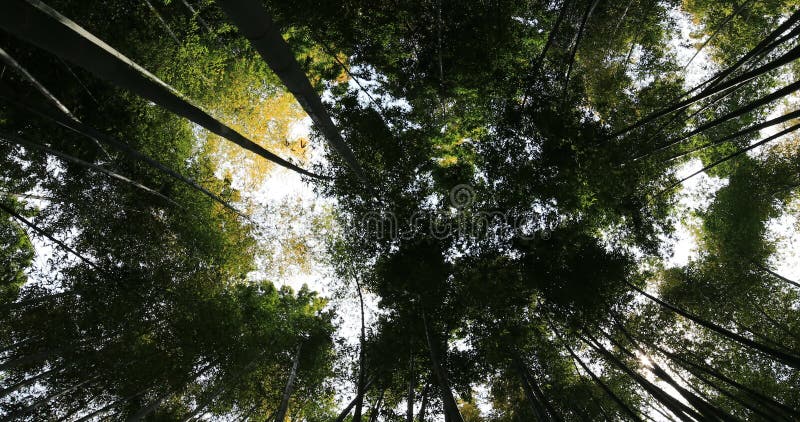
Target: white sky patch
[(46, 253), (278, 187), (696, 195), (533, 23), (483, 398), (786, 261), (684, 47)]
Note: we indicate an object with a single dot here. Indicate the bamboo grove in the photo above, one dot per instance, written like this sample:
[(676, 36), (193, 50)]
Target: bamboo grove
[(525, 163)]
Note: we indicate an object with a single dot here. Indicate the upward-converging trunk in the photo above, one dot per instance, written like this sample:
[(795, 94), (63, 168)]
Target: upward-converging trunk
[(576, 44), (778, 355), (552, 34), (162, 21), (99, 137), (9, 61), (534, 399), (108, 407), (287, 391), (40, 231), (155, 403), (423, 405), (410, 396), (376, 408), (777, 324), (780, 93), (786, 58), (68, 158), (750, 129), (27, 381), (767, 412), (222, 386), (346, 411), (20, 414), (37, 23), (682, 411), (755, 401), (706, 409), (764, 46), (451, 411), (622, 405), (360, 388), (776, 275), (255, 23), (736, 154), (197, 16)]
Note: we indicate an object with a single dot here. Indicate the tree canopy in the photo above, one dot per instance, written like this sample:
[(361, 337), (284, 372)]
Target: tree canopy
[(501, 210)]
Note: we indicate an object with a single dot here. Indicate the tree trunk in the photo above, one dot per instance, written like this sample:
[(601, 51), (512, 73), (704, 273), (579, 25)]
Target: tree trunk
[(208, 398), (622, 405), (17, 344), (197, 16), (786, 358), (153, 405), (695, 368), (410, 396), (349, 407), (754, 128), (622, 18), (376, 408), (163, 22), (777, 324), (786, 58), (448, 402), (577, 43), (708, 410), (780, 93), (361, 358), (41, 232), (98, 137), (287, 392), (774, 274), (255, 24), (716, 32), (27, 410), (552, 34), (42, 26), (533, 398), (423, 406), (26, 382), (8, 60), (70, 159), (108, 406), (761, 337), (764, 46), (737, 153), (768, 411), (682, 411), (704, 407)]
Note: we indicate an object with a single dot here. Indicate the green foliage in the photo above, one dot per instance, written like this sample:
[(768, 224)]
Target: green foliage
[(525, 295)]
